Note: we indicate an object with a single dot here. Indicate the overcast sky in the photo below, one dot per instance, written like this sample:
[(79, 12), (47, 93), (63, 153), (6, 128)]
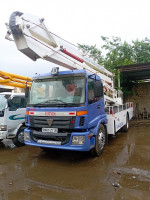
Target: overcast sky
[(78, 21)]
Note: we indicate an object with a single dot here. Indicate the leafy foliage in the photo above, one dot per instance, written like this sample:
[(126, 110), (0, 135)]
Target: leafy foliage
[(141, 51), (118, 53), (92, 52)]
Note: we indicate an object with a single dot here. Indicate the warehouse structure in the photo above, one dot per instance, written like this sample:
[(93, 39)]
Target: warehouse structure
[(140, 75)]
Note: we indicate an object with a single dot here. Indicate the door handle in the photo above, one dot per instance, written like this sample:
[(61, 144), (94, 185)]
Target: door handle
[(98, 106)]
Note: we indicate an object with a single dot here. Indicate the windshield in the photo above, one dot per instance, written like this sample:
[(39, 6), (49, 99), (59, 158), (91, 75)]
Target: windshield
[(58, 91), (3, 102)]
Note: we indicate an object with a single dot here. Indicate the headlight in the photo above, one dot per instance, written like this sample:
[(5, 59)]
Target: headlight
[(78, 140), (26, 136), (3, 127)]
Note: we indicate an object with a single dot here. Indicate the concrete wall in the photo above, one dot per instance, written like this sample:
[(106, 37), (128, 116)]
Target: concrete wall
[(140, 99)]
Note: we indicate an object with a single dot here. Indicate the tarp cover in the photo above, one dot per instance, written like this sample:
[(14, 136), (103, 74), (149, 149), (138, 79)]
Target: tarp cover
[(12, 23)]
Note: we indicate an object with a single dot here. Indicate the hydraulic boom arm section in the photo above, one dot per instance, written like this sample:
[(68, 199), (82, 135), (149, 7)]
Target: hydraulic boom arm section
[(14, 80), (32, 38)]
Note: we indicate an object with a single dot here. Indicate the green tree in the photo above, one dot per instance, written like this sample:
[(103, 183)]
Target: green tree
[(92, 52), (141, 51), (117, 53)]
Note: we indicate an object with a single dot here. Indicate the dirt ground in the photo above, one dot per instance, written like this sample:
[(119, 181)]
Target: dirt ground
[(121, 173)]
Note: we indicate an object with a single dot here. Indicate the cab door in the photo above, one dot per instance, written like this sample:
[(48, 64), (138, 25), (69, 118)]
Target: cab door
[(15, 113), (95, 101)]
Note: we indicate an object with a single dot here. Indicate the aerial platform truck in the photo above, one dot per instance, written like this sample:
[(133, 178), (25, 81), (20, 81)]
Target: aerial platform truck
[(71, 110), (13, 108)]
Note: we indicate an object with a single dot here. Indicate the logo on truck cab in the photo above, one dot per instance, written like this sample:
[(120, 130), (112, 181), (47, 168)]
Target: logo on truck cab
[(50, 121), (13, 117)]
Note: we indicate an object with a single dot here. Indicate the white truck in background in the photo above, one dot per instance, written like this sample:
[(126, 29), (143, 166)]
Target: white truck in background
[(12, 108), (12, 117)]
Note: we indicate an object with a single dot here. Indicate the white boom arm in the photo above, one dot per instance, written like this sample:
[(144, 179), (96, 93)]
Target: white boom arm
[(34, 40)]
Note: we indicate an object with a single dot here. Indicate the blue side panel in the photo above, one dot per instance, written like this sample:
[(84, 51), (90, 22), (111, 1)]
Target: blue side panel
[(96, 114)]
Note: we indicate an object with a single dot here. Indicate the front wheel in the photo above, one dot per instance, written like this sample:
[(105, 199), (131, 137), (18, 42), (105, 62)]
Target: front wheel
[(18, 140), (100, 141)]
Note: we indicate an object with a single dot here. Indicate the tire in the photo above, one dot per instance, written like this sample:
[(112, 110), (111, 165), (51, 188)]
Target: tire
[(126, 126), (18, 140), (100, 141)]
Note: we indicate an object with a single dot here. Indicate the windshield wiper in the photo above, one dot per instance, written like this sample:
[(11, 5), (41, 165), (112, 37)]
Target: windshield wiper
[(58, 100), (53, 100), (43, 103)]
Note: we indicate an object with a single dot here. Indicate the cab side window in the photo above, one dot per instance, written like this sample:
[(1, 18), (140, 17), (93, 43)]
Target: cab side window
[(95, 90), (16, 103)]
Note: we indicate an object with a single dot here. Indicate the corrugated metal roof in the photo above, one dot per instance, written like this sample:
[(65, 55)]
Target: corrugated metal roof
[(136, 71)]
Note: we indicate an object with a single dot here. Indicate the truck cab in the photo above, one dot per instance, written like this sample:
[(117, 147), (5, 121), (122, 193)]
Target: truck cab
[(12, 117), (66, 111)]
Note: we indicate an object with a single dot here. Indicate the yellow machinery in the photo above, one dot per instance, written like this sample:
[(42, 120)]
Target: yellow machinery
[(14, 80)]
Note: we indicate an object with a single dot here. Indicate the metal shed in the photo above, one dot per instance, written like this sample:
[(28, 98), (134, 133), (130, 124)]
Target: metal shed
[(136, 71)]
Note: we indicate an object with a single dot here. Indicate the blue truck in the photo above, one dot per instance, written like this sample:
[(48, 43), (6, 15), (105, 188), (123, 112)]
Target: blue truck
[(66, 111)]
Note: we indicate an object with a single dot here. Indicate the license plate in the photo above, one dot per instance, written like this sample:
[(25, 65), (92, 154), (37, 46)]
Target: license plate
[(50, 130)]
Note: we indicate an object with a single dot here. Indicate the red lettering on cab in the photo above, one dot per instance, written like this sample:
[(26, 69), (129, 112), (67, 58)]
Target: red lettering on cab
[(50, 114)]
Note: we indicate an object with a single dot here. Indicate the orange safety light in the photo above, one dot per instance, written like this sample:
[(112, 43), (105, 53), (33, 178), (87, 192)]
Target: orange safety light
[(27, 112), (89, 136), (84, 112)]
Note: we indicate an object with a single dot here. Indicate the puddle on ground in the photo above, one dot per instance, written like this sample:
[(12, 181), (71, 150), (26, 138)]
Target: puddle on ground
[(121, 173), (7, 143)]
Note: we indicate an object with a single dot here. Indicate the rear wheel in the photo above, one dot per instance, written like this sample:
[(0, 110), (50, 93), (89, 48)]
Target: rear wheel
[(100, 141), (18, 140), (126, 126)]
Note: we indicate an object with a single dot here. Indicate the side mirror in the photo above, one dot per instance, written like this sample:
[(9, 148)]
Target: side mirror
[(10, 104), (26, 92)]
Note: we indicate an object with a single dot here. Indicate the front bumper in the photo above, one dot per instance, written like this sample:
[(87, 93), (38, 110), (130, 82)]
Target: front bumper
[(88, 144), (3, 135)]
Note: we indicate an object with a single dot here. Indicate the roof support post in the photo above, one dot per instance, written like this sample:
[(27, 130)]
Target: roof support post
[(118, 79)]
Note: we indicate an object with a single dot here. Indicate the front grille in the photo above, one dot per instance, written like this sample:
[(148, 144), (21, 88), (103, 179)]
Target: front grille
[(61, 137), (57, 122)]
